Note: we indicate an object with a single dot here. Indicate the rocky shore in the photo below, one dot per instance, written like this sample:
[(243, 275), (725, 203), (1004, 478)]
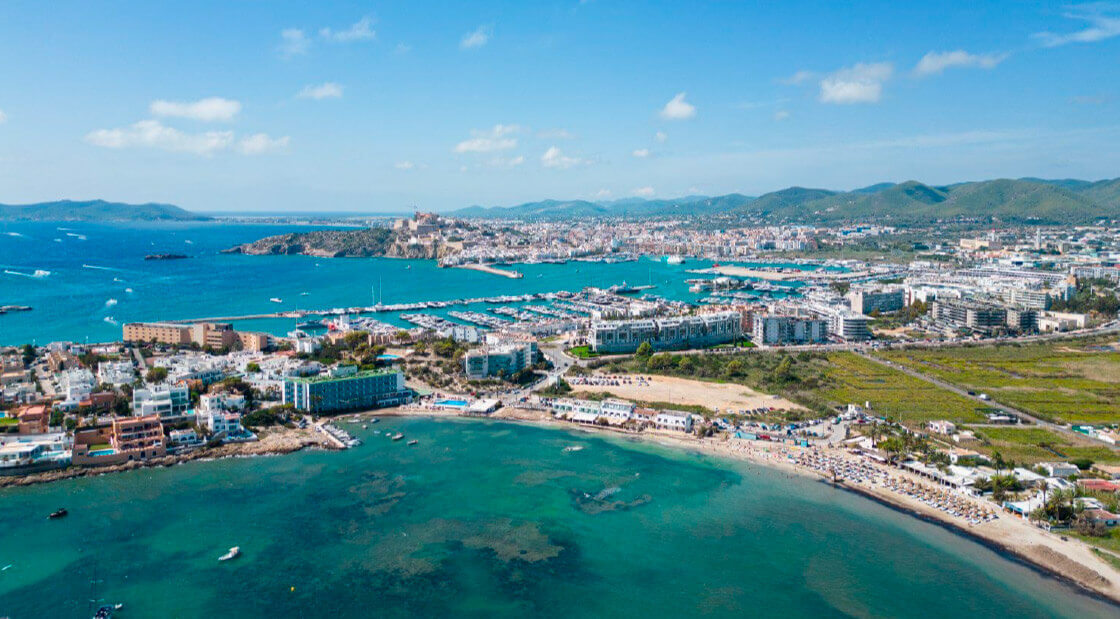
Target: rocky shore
[(350, 243), (272, 442)]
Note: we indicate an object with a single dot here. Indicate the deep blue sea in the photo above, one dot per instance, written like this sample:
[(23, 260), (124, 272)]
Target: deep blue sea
[(93, 277)]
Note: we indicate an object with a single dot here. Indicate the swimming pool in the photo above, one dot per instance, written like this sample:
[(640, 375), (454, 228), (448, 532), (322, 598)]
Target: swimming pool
[(454, 403), (102, 452), (388, 357)]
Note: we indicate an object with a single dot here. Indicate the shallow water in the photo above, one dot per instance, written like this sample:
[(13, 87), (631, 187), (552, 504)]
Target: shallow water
[(494, 519)]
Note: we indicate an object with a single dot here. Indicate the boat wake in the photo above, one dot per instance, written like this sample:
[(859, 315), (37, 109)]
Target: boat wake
[(80, 237), (38, 274), (110, 320), (94, 266), (111, 303), (15, 234)]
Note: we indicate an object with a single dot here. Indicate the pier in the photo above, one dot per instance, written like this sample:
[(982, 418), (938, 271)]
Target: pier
[(485, 268)]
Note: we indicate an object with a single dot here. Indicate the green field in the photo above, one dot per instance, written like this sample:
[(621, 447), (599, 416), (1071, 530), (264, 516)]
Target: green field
[(1031, 445), (1074, 381), (853, 379)]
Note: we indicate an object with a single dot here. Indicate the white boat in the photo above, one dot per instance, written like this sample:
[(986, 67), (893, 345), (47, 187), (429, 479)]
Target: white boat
[(232, 554), (571, 448), (675, 259), (276, 300)]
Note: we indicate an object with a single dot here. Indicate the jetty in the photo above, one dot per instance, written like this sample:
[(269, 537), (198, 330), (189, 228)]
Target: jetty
[(486, 268)]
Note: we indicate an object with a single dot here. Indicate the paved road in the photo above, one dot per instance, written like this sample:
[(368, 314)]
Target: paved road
[(1042, 423)]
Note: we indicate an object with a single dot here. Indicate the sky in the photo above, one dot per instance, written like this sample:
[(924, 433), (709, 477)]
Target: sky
[(391, 106)]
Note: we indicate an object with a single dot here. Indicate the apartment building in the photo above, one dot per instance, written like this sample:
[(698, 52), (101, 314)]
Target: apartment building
[(344, 388), (773, 330), (672, 333)]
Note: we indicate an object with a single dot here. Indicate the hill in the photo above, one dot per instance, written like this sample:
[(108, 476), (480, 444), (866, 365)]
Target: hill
[(96, 210), (629, 207)]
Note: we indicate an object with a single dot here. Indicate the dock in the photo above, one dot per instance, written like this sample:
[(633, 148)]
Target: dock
[(485, 268)]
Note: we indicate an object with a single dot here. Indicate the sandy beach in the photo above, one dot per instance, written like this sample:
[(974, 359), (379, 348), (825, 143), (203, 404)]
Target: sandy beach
[(724, 396)]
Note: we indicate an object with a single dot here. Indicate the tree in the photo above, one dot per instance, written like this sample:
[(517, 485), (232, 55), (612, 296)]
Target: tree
[(645, 351), (733, 368), (156, 375), (252, 367), (685, 365)]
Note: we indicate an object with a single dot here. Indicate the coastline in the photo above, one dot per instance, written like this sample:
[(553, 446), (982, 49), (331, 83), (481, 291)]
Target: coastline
[(1071, 561), (276, 441)]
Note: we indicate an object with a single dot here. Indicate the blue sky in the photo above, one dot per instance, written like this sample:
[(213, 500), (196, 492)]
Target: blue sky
[(383, 106)]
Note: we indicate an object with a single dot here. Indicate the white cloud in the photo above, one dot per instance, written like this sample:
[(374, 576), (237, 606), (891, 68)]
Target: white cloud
[(404, 165), (678, 109), (402, 48), (602, 194), (1103, 23), (798, 78), (3, 117), (553, 158), (781, 115), (153, 134), (494, 139), (293, 42), (210, 109), (326, 90), (477, 38), (859, 83), (641, 153), (661, 136), (644, 192), (362, 30), (260, 143), (934, 63)]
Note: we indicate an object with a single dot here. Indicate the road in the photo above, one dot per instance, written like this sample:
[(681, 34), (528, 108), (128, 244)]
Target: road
[(1042, 423)]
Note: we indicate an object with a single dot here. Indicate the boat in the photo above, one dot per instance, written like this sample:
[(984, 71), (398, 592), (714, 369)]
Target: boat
[(232, 554), (106, 611), (413, 442), (59, 513), (365, 426), (398, 436), (276, 300), (571, 448), (674, 259)]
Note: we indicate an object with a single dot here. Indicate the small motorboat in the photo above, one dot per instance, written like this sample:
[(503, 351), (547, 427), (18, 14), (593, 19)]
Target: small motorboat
[(106, 611), (232, 554), (59, 513), (571, 448), (276, 300), (365, 426), (413, 442), (398, 436)]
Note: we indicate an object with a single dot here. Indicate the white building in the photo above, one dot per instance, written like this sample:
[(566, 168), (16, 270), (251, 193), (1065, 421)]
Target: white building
[(671, 333), (169, 402), (76, 384), (673, 420), (115, 373), (775, 330)]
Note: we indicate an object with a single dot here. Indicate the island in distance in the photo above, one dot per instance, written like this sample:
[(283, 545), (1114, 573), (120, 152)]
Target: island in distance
[(96, 210)]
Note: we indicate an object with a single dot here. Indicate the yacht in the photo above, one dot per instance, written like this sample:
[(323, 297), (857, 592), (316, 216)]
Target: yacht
[(276, 300), (232, 554)]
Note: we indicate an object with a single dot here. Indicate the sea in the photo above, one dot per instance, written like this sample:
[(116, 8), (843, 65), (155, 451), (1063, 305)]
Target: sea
[(84, 280), (494, 519)]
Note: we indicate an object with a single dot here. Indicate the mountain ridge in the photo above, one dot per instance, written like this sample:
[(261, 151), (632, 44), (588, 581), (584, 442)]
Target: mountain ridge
[(96, 210), (1028, 200)]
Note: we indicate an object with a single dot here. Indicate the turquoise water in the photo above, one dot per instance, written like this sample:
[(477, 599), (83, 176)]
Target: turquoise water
[(489, 519), (451, 402), (99, 279)]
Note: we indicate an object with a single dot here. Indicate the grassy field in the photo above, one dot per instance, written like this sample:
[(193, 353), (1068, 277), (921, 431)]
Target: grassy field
[(853, 379), (1075, 381), (820, 381), (582, 352), (1031, 445)]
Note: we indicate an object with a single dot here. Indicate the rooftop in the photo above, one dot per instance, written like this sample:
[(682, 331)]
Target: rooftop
[(326, 378)]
